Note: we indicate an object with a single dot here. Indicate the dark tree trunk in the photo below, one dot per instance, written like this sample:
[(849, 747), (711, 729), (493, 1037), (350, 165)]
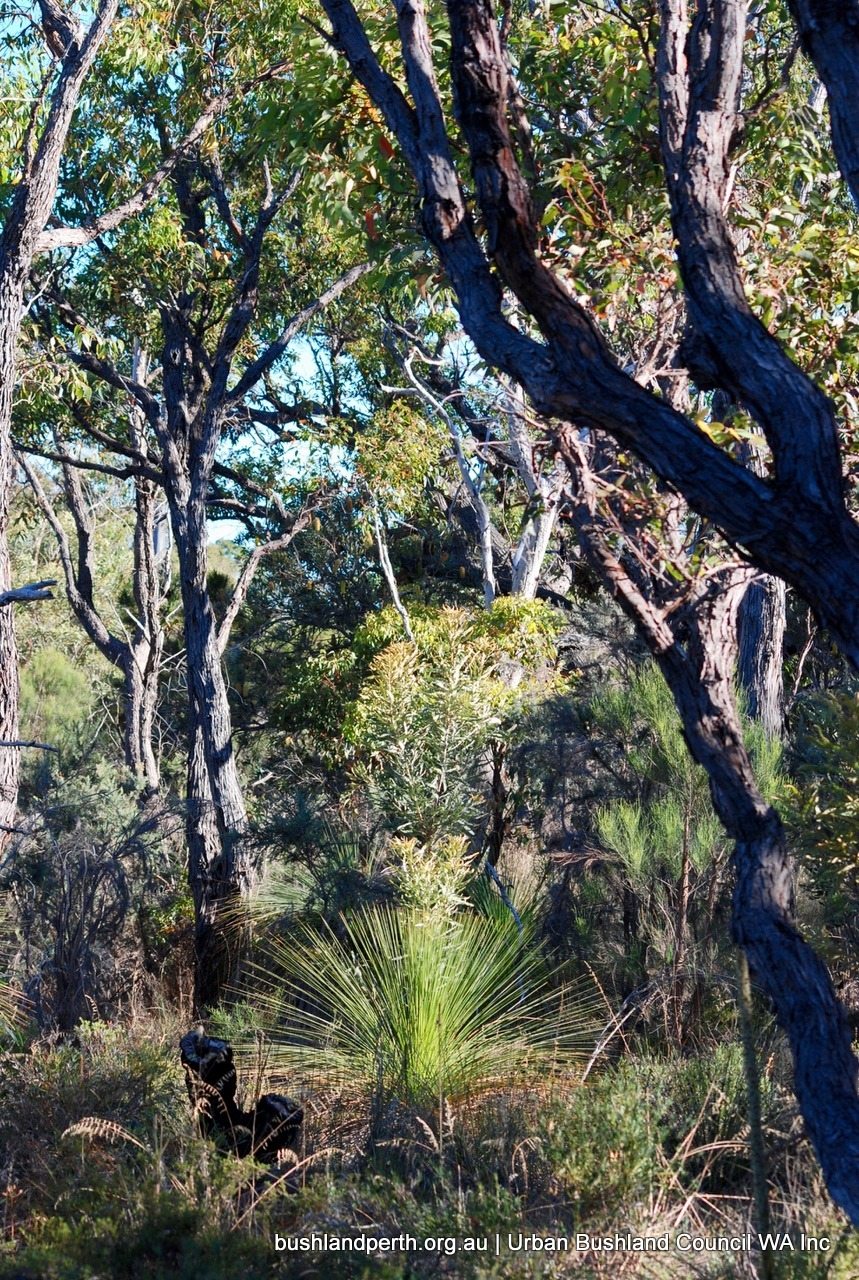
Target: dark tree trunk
[(693, 641), (132, 720), (220, 863), (795, 525), (212, 893), (829, 30), (498, 791), (791, 975), (208, 693), (696, 654), (760, 628), (761, 623)]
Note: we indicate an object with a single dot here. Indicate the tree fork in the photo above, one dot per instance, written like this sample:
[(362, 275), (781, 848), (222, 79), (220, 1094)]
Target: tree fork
[(797, 527)]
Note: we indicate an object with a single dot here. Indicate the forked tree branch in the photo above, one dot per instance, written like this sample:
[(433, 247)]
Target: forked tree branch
[(64, 237), (291, 329), (700, 78), (78, 579), (248, 573), (797, 528)]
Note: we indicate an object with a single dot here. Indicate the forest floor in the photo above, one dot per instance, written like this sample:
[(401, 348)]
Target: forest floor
[(105, 1175)]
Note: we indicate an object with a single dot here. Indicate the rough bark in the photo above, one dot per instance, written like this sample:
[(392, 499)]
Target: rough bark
[(792, 976), (208, 688), (219, 863), (760, 662), (694, 645), (700, 78), (213, 888), (10, 303), (146, 643), (796, 527), (829, 31), (761, 622)]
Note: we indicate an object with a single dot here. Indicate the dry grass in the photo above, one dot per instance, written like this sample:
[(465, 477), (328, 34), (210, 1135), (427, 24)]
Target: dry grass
[(104, 1173)]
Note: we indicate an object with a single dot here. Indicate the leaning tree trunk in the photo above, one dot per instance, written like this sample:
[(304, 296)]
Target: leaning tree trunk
[(698, 666), (785, 967), (693, 641)]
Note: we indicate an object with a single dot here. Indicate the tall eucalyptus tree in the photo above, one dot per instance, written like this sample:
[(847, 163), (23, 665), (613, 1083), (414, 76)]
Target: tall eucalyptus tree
[(794, 522), (39, 144), (222, 337)]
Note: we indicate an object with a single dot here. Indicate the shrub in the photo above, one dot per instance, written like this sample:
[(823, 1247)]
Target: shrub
[(422, 731), (427, 713), (76, 880), (605, 1144)]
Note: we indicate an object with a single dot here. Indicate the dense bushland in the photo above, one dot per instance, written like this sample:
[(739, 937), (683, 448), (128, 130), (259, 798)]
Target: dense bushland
[(400, 695)]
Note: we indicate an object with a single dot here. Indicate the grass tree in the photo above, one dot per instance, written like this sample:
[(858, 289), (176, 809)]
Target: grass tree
[(421, 1006)]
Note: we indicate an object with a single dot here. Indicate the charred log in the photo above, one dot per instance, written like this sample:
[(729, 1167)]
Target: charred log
[(270, 1126)]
